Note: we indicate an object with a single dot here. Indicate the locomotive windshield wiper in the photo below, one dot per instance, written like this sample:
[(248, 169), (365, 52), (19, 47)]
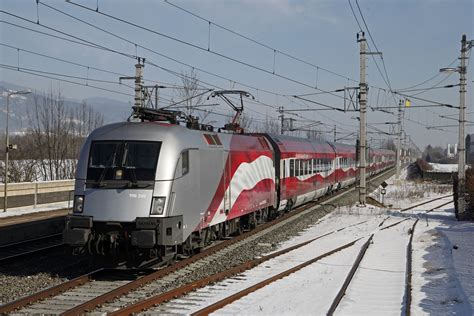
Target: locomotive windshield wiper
[(108, 165), (100, 182)]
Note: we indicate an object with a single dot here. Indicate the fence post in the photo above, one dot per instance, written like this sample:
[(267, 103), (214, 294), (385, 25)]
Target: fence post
[(36, 194)]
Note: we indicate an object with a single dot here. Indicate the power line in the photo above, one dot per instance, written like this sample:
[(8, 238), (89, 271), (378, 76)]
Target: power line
[(429, 79), (355, 17), (67, 34), (64, 75), (375, 46), (156, 52), (202, 48), (257, 42), (148, 62), (67, 81), (88, 67), (431, 88), (426, 100), (61, 60), (91, 44)]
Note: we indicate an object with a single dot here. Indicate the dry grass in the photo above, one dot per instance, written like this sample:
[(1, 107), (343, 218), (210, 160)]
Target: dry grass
[(417, 190)]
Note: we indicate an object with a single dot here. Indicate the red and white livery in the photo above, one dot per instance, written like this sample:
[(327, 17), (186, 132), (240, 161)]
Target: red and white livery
[(157, 188)]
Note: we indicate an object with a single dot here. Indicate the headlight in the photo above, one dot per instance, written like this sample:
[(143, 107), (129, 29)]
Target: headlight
[(158, 205), (78, 206)]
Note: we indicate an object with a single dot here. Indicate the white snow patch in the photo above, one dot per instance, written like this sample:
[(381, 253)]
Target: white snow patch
[(23, 210), (438, 167)]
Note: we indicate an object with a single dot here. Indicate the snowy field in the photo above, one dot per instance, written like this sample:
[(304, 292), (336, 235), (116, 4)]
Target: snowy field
[(442, 268), (400, 194), (438, 167)]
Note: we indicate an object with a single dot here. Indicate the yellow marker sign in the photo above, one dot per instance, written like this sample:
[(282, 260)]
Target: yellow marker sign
[(407, 102)]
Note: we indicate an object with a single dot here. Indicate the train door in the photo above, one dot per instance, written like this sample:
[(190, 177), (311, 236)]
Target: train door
[(227, 163), (283, 175)]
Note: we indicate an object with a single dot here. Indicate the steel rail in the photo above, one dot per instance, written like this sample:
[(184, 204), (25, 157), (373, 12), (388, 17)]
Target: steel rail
[(434, 208), (30, 245), (143, 305), (349, 277), (408, 283), (394, 224), (408, 286), (52, 291), (218, 305), (426, 202)]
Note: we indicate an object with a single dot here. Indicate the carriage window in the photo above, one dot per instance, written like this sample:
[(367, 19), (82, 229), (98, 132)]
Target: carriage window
[(292, 167)]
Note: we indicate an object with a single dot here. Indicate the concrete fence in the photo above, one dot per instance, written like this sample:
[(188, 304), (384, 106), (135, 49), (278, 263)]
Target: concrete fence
[(33, 193)]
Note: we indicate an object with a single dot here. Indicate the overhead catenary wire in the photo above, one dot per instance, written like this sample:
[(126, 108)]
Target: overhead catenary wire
[(258, 42), (90, 67), (92, 45), (100, 46), (87, 43), (259, 68), (67, 81), (65, 75), (375, 45)]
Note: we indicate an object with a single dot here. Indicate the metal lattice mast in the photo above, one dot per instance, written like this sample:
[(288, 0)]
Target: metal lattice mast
[(363, 111)]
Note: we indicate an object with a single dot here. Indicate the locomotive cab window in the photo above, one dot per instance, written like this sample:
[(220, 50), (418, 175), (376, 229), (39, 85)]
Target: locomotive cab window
[(122, 162)]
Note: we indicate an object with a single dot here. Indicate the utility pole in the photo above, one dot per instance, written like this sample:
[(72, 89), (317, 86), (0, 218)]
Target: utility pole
[(465, 47), (282, 119), (399, 138), (138, 83), (139, 99), (462, 122), (8, 147), (363, 110)]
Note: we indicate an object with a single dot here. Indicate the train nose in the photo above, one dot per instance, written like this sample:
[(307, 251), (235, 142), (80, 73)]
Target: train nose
[(120, 205)]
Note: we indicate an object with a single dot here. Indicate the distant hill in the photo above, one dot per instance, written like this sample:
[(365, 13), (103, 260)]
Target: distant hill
[(112, 110)]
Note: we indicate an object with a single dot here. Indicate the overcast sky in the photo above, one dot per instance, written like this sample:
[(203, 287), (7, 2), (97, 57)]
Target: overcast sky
[(416, 37)]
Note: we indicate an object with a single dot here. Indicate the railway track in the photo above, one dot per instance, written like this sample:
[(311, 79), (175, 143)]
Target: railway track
[(131, 291), (187, 305), (20, 250), (368, 275), (174, 302), (426, 202)]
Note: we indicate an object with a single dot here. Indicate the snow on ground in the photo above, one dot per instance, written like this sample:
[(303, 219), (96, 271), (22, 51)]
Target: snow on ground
[(439, 167), (401, 193), (330, 271), (379, 283), (443, 265), (442, 269), (22, 210)]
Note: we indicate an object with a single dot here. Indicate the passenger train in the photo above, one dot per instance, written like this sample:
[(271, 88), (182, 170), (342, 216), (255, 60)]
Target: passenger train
[(154, 189)]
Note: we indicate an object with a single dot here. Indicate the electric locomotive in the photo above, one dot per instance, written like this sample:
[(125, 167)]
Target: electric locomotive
[(152, 189)]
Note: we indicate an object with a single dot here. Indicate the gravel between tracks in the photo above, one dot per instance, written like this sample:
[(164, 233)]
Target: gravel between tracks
[(37, 273)]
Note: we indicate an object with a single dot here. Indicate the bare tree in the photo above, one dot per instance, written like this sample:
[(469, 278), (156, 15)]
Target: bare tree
[(246, 122), (270, 125), (191, 94), (58, 133)]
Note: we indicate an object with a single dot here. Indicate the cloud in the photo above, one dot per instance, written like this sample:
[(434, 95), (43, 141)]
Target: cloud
[(270, 10)]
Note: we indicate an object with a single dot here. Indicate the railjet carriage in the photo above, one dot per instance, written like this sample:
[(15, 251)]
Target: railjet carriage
[(152, 189)]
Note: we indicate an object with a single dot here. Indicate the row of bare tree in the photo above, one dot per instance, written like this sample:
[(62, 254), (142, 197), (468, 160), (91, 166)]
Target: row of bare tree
[(48, 148)]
